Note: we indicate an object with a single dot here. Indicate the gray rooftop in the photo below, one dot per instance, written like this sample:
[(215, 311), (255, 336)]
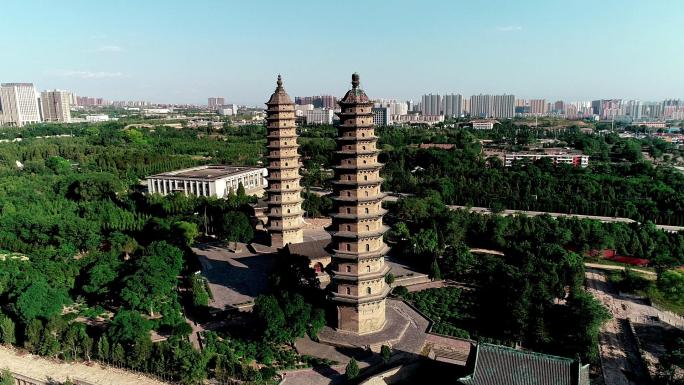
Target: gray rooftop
[(212, 172), (499, 365)]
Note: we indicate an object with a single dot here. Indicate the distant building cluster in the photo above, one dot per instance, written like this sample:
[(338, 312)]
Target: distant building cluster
[(321, 101)]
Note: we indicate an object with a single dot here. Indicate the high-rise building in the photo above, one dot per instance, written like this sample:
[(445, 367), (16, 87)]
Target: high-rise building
[(652, 110), (431, 105), (56, 106), (284, 192), (318, 101), (215, 102), (88, 101), (395, 107), (538, 106), (503, 106), (492, 106), (19, 104), (358, 274), (481, 106), (382, 116), (632, 108), (559, 107), (453, 105), (319, 116)]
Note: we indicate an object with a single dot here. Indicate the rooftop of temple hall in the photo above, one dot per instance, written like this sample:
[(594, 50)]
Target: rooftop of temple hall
[(207, 172)]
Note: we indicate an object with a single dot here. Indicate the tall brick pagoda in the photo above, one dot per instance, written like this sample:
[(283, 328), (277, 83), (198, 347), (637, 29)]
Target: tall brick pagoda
[(284, 192), (358, 269)]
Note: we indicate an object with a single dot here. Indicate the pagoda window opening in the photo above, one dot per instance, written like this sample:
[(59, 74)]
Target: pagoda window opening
[(348, 247), (348, 269), (348, 291), (368, 290), (367, 247), (368, 269)]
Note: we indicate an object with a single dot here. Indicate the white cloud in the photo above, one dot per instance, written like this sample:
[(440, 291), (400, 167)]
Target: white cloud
[(109, 48), (509, 28), (92, 74)]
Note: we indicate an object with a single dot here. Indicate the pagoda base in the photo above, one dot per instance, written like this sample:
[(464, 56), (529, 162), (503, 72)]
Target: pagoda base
[(361, 319), (279, 240), (392, 331)]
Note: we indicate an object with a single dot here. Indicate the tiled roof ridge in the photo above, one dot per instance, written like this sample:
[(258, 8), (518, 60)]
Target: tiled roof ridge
[(527, 353)]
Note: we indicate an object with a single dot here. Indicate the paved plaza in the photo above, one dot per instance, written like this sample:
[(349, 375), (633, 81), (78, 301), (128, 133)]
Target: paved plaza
[(235, 278)]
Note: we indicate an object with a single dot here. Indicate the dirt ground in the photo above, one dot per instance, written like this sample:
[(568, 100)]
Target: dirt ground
[(47, 370), (620, 356)]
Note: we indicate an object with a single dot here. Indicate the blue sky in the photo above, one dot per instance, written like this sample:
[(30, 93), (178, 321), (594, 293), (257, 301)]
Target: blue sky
[(184, 51)]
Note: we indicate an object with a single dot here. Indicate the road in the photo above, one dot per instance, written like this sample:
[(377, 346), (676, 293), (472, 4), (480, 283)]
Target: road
[(484, 210), (600, 266), (393, 197)]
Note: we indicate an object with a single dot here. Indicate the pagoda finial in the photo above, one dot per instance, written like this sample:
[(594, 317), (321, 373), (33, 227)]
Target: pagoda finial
[(355, 80), (280, 81)]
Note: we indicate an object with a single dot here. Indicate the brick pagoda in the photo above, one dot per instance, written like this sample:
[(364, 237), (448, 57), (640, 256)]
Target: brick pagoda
[(358, 269), (284, 192)]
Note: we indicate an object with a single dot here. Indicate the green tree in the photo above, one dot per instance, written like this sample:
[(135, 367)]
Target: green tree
[(271, 319), (316, 323), (58, 165), (185, 231), (6, 377), (400, 291), (103, 348), (40, 300), (588, 314), (235, 227), (386, 353), (49, 344), (389, 279), (435, 272), (352, 370), (118, 354), (34, 330), (154, 278), (128, 326), (7, 330), (671, 284)]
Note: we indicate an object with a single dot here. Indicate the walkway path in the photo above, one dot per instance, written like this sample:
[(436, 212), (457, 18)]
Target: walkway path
[(44, 369), (485, 210), (601, 266), (619, 354)]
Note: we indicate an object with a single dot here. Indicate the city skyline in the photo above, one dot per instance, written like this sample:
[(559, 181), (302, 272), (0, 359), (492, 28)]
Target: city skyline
[(533, 49)]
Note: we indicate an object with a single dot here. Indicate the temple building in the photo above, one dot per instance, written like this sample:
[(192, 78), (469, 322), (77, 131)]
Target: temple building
[(358, 264), (284, 192)]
